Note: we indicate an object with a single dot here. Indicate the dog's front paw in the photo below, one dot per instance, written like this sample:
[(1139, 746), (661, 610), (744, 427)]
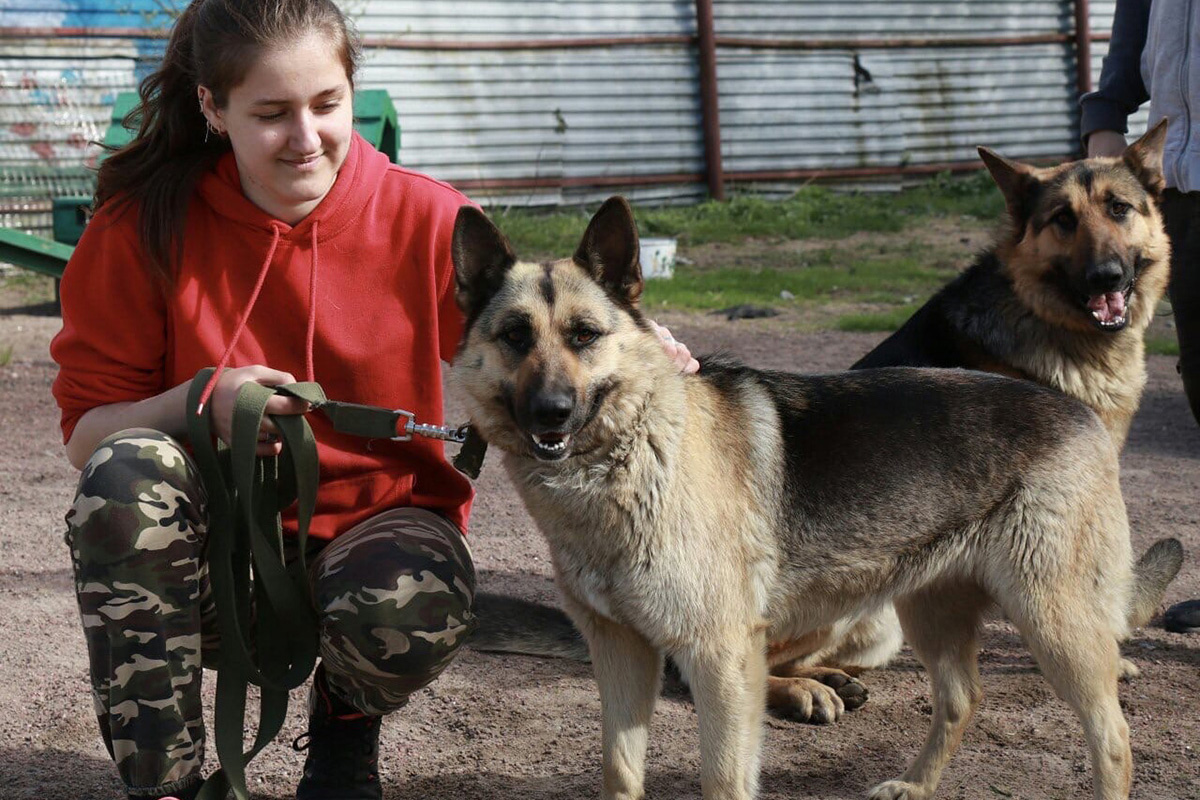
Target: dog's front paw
[(1127, 670), (805, 700), (852, 691), (898, 790)]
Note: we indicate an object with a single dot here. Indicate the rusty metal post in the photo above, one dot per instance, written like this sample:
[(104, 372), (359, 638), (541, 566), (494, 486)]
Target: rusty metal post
[(1083, 46), (709, 106)]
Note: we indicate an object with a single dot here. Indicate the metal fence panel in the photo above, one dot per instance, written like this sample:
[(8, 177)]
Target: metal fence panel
[(564, 115), (855, 19)]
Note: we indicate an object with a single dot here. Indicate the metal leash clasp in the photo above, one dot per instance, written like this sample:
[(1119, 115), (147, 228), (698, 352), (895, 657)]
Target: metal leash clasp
[(443, 432)]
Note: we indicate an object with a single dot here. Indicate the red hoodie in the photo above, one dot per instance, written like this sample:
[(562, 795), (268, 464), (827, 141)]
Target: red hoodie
[(377, 247)]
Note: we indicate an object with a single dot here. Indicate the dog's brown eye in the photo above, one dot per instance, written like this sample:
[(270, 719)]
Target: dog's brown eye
[(1065, 220), (517, 337), (584, 338), (1119, 209)]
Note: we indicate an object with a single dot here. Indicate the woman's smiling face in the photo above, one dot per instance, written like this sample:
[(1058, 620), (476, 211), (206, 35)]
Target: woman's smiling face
[(290, 123)]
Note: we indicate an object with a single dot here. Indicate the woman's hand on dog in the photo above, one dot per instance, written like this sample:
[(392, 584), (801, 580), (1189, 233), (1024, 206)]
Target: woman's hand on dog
[(225, 394), (676, 351)]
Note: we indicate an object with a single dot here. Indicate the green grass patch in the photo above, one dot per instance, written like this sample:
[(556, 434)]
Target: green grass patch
[(26, 288), (813, 211), (820, 277), (881, 321), (6, 354), (1162, 346)]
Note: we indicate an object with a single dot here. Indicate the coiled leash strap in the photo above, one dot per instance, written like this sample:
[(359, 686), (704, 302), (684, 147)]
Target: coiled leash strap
[(265, 611)]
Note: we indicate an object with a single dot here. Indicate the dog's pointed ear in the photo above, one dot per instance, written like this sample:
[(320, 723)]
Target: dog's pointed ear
[(1145, 158), (482, 256), (1017, 182), (609, 250)]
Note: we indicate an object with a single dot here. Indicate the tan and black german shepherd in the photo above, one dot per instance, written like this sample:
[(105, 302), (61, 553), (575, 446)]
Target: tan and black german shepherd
[(703, 516), (1066, 293), (1063, 298)]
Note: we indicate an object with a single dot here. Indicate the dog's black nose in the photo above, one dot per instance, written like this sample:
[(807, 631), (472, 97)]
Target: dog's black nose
[(551, 409), (1107, 276)]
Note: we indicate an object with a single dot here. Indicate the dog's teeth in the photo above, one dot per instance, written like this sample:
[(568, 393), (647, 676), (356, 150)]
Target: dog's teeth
[(1096, 314), (552, 447)]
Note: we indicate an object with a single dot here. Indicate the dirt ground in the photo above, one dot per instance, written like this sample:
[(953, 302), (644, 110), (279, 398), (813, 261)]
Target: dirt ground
[(516, 728)]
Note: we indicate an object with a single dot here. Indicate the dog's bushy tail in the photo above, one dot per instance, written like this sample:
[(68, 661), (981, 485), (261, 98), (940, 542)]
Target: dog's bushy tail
[(1153, 572), (508, 625)]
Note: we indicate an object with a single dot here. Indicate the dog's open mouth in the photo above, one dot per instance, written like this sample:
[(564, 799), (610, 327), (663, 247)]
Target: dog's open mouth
[(550, 446), (1110, 311)]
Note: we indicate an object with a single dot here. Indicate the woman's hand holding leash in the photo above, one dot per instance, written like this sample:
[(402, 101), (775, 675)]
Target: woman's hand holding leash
[(225, 394)]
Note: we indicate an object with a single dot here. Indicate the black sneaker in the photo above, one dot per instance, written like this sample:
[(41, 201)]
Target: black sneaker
[(1183, 617), (343, 749)]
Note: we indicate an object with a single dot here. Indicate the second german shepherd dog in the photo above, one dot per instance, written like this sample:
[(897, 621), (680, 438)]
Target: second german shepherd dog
[(1062, 298), (702, 516), (1066, 294)]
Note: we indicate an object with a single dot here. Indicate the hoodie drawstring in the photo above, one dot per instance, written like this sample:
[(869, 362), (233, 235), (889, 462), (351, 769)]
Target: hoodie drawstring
[(312, 308), (262, 277)]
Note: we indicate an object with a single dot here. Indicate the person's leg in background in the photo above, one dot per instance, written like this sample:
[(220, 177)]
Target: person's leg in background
[(1181, 212), (394, 598), (1182, 216)]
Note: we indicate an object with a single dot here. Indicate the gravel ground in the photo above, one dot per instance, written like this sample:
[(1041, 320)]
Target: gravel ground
[(509, 727)]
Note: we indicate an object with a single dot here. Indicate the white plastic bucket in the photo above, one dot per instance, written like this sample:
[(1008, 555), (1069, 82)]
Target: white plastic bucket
[(658, 257)]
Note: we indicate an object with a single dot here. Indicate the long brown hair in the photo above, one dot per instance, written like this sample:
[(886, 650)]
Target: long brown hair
[(214, 43)]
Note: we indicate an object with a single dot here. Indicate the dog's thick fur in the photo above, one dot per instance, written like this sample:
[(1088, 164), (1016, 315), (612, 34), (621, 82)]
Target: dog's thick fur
[(702, 516), (1022, 309), (1079, 238)]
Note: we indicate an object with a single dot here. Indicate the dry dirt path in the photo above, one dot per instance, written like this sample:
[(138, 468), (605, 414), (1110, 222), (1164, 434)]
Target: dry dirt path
[(514, 728)]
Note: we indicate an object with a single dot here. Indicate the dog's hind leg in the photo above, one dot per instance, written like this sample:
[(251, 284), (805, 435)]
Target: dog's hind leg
[(1079, 656), (629, 673), (942, 626), (729, 686)]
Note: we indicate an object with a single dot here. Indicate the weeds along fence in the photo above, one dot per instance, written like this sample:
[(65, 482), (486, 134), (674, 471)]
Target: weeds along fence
[(563, 102)]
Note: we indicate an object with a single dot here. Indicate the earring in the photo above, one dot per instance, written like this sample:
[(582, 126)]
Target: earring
[(208, 126)]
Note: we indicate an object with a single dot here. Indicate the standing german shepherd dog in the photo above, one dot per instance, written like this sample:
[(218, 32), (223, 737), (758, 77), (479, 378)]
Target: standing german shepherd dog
[(702, 516), (1063, 298)]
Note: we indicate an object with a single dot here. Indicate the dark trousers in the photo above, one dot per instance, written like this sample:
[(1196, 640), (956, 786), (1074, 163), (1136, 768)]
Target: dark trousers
[(1182, 214)]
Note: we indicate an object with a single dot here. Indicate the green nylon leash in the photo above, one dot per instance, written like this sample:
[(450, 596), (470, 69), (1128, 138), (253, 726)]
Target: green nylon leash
[(257, 594)]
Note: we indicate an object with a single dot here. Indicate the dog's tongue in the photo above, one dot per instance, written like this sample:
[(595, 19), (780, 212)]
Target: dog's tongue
[(1107, 307)]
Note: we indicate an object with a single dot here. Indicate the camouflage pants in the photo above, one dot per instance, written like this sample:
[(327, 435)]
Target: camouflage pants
[(393, 596)]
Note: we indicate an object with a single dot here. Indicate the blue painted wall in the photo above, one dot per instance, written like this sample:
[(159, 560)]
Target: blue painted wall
[(83, 14)]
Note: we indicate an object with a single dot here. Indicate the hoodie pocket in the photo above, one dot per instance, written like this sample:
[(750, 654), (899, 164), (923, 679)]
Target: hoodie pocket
[(345, 502)]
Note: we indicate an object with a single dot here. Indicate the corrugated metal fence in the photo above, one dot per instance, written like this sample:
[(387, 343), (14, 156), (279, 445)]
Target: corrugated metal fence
[(565, 101)]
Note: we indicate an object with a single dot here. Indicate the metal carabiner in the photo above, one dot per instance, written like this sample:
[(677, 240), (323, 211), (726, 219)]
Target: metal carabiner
[(443, 432)]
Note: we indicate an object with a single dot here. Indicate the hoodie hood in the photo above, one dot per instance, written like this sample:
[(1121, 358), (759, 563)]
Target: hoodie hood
[(355, 185)]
